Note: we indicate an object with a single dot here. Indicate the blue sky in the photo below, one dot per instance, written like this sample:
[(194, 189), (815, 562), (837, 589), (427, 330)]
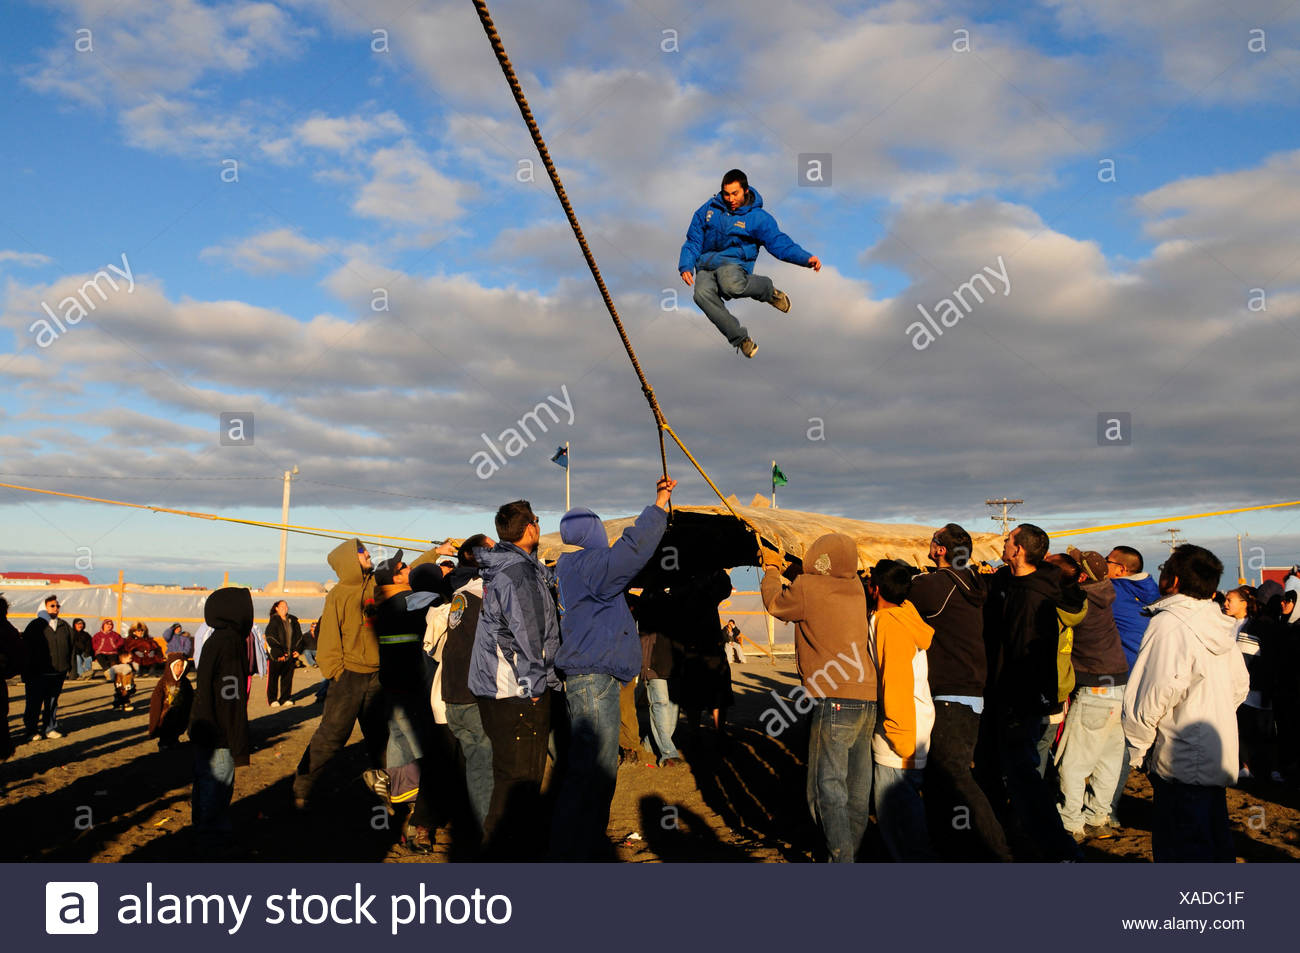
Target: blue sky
[(396, 168)]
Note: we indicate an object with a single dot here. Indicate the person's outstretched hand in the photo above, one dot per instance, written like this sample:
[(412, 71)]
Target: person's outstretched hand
[(664, 492), (814, 263), (688, 278)]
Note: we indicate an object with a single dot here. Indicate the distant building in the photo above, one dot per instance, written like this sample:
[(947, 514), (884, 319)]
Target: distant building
[(42, 579)]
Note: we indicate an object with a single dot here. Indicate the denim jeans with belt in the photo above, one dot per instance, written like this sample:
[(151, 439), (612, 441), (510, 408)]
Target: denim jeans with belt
[(712, 288), (1091, 748), (582, 806), (839, 772)]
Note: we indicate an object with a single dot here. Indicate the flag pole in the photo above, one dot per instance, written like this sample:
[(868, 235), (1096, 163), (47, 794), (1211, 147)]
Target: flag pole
[(568, 462), (773, 484)]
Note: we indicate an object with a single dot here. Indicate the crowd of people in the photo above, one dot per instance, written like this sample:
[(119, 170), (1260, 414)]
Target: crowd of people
[(1003, 711), (975, 714)]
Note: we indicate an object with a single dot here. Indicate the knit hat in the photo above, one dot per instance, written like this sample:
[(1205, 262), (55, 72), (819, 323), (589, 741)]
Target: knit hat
[(1092, 563)]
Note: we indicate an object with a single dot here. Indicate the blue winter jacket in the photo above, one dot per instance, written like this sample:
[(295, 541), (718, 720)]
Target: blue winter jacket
[(598, 634), (518, 632), (719, 236), (1132, 594)]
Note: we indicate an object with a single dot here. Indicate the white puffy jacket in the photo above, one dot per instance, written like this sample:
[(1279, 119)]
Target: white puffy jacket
[(1183, 693)]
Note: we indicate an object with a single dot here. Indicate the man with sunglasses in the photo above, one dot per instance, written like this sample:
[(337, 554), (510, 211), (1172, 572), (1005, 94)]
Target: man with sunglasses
[(50, 659)]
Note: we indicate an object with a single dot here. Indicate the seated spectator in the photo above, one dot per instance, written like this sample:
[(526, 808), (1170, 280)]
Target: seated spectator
[(105, 644)]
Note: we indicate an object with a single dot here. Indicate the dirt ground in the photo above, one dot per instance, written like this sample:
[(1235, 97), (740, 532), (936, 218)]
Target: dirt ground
[(105, 792)]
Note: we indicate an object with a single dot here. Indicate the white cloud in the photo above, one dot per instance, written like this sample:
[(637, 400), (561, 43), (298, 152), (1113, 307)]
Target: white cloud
[(344, 133), (282, 250), (407, 189), (25, 259)]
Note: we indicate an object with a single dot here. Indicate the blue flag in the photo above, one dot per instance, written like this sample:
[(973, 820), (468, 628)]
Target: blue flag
[(561, 457)]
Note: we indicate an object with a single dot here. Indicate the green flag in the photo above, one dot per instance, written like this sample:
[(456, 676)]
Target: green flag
[(778, 478)]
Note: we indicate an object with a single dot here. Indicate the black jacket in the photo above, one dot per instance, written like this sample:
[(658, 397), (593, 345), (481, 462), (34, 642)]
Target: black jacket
[(951, 601), (220, 715), (284, 636), (1097, 654), (49, 648), (1021, 624), (399, 627)]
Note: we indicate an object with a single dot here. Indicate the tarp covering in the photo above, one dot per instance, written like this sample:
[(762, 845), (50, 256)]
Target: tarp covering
[(155, 609), (710, 535)]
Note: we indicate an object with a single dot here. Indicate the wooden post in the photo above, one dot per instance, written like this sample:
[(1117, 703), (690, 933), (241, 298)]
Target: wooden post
[(121, 592), (225, 579), (771, 639)]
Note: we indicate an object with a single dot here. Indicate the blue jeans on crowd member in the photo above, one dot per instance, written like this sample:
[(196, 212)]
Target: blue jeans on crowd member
[(900, 813), (466, 725), (1189, 823), (214, 784), (308, 656), (84, 662), (663, 718), (41, 714), (1091, 748), (582, 806), (1033, 800), (712, 288), (839, 772)]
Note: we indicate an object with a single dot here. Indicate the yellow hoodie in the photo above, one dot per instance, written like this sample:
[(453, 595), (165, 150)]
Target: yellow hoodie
[(900, 638), (345, 638)]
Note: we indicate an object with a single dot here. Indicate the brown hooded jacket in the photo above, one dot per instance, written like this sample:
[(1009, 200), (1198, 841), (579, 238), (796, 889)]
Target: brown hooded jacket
[(345, 638)]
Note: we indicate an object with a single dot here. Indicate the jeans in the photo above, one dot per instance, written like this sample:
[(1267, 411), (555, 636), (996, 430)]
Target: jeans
[(467, 726), (355, 697), (214, 783), (663, 718), (1033, 800), (308, 656), (961, 820), (1189, 823), (900, 813), (84, 662), (1091, 748), (839, 772), (519, 729), (734, 653), (712, 288), (41, 712), (582, 806)]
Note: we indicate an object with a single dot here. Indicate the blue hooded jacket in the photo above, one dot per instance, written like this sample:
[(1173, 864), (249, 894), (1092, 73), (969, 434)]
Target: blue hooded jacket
[(1132, 595), (718, 236), (518, 632), (598, 634)]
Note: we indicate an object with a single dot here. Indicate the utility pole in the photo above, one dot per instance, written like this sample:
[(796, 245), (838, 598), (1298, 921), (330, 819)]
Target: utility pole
[(1241, 563), (1006, 505), (284, 532), (1173, 539), (568, 464)]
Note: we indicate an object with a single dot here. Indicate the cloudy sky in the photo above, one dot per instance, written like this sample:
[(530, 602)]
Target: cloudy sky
[(327, 218)]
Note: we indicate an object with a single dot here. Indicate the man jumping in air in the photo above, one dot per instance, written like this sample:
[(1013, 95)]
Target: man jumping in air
[(719, 252)]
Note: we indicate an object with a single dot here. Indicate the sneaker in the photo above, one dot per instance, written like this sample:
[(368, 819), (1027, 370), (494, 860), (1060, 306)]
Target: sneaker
[(52, 733), (1244, 775), (780, 300), (416, 838), (1112, 823), (128, 708), (1277, 777), (299, 803), (671, 763), (748, 347), (376, 779), (1079, 836), (1100, 832), (288, 703), (275, 704), (36, 736)]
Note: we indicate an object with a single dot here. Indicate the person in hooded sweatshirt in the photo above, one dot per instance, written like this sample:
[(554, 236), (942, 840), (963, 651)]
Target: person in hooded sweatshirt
[(828, 606), (1022, 622), (718, 256), (1092, 745), (219, 719), (1180, 711), (171, 703), (600, 652), (348, 655), (951, 599), (899, 638)]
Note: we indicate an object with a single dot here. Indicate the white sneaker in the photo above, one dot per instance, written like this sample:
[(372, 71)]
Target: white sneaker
[(287, 703), (53, 734), (275, 704)]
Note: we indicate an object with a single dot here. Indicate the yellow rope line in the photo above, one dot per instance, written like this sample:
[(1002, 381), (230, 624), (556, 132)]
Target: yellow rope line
[(306, 530), (1169, 519)]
